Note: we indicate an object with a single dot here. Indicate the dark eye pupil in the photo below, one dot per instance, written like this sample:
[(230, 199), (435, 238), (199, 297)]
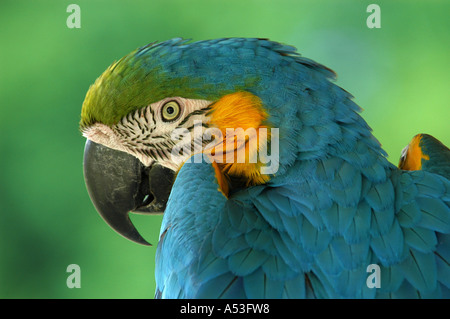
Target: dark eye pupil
[(170, 110)]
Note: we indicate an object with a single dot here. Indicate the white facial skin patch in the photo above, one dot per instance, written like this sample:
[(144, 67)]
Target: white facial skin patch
[(146, 133)]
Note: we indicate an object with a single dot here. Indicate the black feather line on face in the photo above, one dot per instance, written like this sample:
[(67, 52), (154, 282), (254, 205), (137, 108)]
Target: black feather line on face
[(152, 120), (190, 128), (129, 117), (140, 127), (196, 112), (147, 153), (159, 136), (153, 153), (123, 133)]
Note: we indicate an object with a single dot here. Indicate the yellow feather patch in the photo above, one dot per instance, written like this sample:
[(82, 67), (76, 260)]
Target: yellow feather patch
[(237, 110), (240, 113), (222, 180), (412, 160)]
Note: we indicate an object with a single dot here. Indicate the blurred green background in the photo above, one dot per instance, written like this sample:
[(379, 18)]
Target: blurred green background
[(399, 74)]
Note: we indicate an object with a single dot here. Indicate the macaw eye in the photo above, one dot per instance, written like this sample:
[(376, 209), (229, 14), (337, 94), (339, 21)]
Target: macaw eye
[(170, 111)]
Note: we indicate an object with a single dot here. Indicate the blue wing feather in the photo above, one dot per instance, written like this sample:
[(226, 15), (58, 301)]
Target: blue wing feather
[(360, 225), (420, 270), (421, 239), (351, 256), (338, 218), (389, 248), (443, 259)]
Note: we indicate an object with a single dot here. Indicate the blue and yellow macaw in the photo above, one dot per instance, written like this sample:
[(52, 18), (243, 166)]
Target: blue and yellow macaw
[(318, 213), (427, 153)]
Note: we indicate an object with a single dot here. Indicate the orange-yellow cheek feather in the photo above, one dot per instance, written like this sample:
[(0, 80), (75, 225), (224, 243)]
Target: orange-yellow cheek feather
[(239, 111), (222, 180), (414, 155)]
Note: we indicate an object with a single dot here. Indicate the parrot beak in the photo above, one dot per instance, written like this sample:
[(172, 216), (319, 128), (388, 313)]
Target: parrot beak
[(118, 183)]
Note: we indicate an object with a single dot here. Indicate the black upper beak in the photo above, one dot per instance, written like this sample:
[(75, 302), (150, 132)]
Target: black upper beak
[(118, 183)]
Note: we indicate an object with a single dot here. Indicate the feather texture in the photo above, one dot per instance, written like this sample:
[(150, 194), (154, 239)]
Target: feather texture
[(334, 207)]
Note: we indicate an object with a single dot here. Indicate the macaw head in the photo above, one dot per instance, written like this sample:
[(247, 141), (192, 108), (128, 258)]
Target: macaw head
[(155, 108), (427, 153)]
